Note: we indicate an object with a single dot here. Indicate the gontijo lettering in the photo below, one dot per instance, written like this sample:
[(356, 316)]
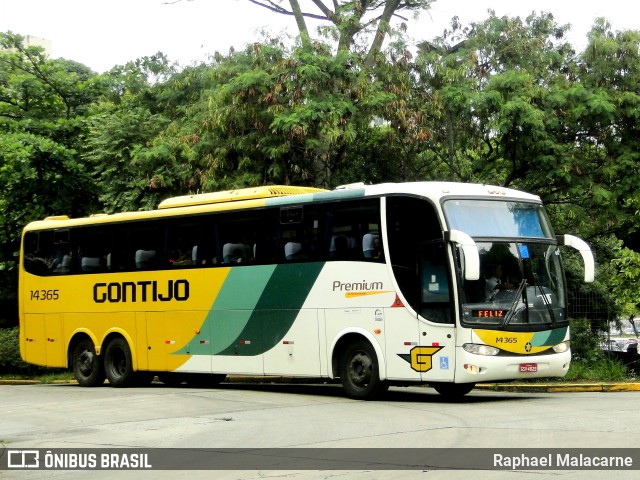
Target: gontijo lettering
[(142, 291)]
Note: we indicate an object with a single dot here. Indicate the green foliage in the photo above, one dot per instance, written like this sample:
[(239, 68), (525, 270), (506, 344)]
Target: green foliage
[(625, 280), (505, 101), (588, 360), (604, 369), (43, 104), (126, 149), (10, 360), (585, 341)]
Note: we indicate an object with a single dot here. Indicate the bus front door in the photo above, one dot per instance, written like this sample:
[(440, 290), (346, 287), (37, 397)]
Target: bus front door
[(435, 355)]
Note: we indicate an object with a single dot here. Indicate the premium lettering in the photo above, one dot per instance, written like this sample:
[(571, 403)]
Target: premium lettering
[(363, 286), (142, 291)]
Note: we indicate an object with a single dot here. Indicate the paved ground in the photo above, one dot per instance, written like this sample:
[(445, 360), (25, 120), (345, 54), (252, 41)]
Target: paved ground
[(549, 387), (258, 416)]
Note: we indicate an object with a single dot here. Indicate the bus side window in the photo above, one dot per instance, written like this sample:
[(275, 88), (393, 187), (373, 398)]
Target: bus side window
[(147, 246), (38, 252), (435, 304), (299, 233), (92, 246), (352, 230), (186, 244), (246, 238), (410, 223)]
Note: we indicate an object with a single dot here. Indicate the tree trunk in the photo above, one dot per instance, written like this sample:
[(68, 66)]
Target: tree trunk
[(383, 27), (302, 25)]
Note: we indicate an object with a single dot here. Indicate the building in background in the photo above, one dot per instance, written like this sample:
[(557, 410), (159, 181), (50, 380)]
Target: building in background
[(31, 41)]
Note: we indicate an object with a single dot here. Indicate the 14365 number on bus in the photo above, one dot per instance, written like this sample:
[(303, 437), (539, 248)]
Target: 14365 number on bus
[(45, 295)]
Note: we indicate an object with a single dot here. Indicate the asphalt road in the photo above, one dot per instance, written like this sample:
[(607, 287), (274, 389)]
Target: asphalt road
[(255, 416)]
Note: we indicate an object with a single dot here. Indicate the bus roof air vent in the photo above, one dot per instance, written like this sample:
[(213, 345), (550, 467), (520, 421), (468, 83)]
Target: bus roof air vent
[(236, 195)]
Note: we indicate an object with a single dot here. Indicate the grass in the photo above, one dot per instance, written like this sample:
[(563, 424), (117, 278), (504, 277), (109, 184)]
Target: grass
[(604, 369), (53, 376)]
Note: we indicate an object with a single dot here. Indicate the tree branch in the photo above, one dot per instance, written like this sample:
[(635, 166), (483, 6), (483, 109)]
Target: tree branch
[(274, 7)]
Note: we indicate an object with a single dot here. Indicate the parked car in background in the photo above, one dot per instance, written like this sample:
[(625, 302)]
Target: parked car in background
[(619, 344)]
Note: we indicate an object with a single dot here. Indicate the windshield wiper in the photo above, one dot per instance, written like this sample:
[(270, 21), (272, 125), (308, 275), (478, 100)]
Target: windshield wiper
[(545, 300), (514, 303)]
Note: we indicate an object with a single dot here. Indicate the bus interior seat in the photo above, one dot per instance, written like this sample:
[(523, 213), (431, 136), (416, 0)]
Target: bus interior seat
[(234, 253), (90, 264), (293, 250), (368, 249), (145, 259)]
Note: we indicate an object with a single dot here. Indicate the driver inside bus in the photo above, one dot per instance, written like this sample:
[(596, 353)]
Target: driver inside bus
[(493, 283)]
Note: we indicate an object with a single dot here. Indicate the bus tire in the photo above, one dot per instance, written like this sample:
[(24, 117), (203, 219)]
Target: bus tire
[(118, 364), (453, 391), (359, 372), (87, 365)]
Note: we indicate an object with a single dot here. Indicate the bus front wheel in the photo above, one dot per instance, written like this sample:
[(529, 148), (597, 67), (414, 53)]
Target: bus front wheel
[(359, 372), (118, 364), (86, 364)]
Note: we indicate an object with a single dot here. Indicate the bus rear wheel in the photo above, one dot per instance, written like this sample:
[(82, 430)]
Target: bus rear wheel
[(86, 364), (359, 372), (118, 364)]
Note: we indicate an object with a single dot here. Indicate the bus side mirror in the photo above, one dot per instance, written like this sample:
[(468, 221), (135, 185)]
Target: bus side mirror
[(469, 250), (585, 252)]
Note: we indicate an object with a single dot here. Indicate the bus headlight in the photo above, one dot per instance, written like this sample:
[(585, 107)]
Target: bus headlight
[(561, 347), (480, 349)]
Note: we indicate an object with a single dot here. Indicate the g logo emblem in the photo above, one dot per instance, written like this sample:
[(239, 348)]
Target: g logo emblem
[(421, 358)]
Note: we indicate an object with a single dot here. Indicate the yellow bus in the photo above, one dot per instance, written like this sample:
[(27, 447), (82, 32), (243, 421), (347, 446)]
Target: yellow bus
[(444, 284)]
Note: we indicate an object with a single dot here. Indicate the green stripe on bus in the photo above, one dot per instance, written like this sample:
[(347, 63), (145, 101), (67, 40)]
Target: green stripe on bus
[(231, 309), (254, 309), (549, 337), (277, 309)]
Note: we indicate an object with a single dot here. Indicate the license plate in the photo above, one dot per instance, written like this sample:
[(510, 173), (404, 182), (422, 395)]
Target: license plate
[(528, 367)]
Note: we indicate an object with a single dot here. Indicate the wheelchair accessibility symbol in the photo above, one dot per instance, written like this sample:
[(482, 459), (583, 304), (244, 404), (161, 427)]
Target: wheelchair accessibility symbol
[(444, 363)]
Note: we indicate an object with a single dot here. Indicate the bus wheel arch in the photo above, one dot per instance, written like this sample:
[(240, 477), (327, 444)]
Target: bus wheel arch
[(357, 363), (118, 361), (87, 366)]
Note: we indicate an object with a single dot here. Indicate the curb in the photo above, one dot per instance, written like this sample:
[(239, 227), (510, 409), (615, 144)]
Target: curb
[(559, 387)]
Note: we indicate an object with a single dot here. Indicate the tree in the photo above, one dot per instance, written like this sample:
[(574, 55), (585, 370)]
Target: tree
[(129, 151), (267, 117), (42, 123)]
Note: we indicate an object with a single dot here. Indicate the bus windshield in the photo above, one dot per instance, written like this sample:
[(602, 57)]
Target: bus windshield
[(520, 283), (490, 218)]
